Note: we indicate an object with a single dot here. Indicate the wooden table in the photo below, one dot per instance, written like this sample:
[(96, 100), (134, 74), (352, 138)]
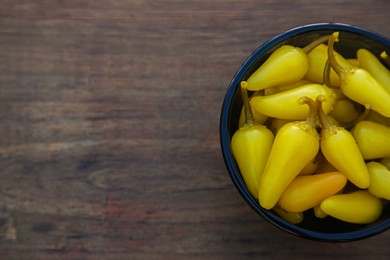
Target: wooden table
[(109, 117)]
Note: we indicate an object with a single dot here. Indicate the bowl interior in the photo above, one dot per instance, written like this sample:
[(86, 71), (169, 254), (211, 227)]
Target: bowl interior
[(351, 39)]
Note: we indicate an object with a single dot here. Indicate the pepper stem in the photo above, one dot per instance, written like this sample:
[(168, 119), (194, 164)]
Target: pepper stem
[(324, 121), (385, 57), (312, 116), (249, 120), (308, 48), (326, 75), (332, 58)]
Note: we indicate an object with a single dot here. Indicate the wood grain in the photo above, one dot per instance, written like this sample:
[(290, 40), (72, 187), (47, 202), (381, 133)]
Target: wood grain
[(109, 116)]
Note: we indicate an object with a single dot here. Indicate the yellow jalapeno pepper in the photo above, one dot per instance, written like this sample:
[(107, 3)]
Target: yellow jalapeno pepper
[(359, 85), (283, 164), (293, 218), (372, 64), (380, 180), (373, 139), (340, 149), (345, 111), (284, 105), (359, 207), (305, 192), (251, 145), (276, 70)]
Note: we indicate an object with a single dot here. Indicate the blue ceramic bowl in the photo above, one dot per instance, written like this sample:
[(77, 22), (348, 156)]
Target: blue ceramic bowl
[(351, 39)]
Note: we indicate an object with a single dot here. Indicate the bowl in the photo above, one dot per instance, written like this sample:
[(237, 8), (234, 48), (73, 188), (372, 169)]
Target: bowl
[(328, 229)]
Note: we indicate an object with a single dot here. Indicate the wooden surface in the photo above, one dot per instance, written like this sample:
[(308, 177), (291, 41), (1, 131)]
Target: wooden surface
[(109, 116)]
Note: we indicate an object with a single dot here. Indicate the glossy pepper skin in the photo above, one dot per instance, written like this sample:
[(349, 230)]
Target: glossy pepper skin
[(373, 139), (305, 192), (283, 164), (284, 105), (372, 64), (359, 207), (380, 180), (276, 70), (359, 85), (251, 145), (340, 149)]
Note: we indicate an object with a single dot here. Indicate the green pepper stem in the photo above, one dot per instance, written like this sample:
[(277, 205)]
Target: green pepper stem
[(331, 56), (324, 121), (326, 75), (312, 116), (249, 120), (308, 48)]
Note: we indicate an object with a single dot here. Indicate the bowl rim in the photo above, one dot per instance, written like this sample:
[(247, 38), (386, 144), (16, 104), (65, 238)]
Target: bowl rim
[(225, 142)]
